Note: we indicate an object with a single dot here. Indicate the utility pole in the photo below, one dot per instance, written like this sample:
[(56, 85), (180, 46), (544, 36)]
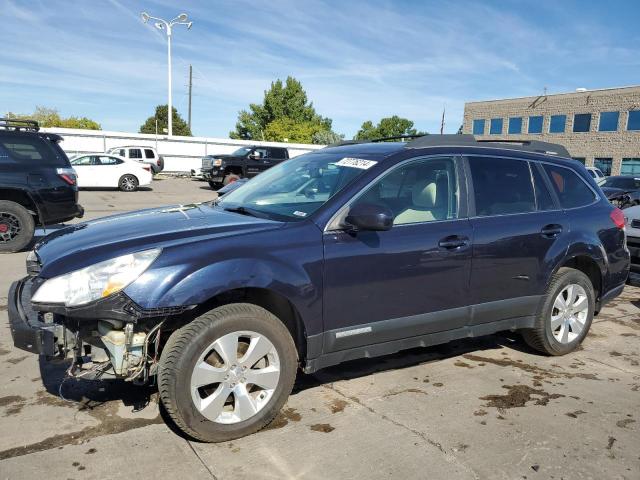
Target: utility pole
[(190, 85)]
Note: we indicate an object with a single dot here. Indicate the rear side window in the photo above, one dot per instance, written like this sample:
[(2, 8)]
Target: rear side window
[(278, 153), (31, 150), (135, 153), (501, 186), (122, 153), (571, 189), (148, 153)]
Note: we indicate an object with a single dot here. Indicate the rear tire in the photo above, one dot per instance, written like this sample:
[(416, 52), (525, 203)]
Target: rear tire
[(208, 390), (566, 314), (16, 227), (128, 183)]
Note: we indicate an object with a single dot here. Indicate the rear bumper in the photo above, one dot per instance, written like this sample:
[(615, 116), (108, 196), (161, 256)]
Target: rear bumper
[(28, 331)]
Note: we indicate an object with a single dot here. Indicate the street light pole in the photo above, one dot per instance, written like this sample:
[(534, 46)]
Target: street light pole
[(167, 27)]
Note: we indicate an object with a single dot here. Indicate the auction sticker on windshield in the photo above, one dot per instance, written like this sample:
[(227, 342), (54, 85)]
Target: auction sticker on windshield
[(356, 163)]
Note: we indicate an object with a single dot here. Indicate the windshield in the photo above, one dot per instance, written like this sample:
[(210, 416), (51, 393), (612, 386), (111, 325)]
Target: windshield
[(626, 183), (241, 152), (295, 189)]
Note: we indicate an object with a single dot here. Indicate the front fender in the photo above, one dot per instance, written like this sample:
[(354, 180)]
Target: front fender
[(286, 261)]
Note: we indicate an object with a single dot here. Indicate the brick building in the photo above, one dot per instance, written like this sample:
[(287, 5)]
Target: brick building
[(598, 127)]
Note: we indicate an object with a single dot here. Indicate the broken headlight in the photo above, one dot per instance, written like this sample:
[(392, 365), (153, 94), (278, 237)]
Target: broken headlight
[(96, 281)]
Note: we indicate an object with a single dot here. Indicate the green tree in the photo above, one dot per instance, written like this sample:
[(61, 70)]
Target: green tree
[(387, 127), (49, 117), (327, 137), (286, 102), (459, 132), (287, 130), (180, 127)]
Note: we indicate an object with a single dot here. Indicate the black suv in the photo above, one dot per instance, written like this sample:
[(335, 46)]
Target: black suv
[(346, 252), (37, 183), (246, 162)]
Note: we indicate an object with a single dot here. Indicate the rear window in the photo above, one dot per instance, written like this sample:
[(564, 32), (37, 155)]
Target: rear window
[(502, 186), (571, 189), (148, 153), (31, 149)]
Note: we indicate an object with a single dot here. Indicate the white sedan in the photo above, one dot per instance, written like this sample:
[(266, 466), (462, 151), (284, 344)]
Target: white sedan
[(100, 170)]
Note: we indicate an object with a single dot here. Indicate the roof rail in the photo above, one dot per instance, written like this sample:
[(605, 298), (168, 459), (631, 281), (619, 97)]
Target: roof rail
[(373, 140), (19, 124), (454, 140)]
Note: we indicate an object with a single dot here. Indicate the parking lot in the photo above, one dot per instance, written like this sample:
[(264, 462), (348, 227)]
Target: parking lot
[(477, 408)]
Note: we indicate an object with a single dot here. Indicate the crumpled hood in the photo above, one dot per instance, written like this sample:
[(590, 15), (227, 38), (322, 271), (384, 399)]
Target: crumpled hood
[(87, 243)]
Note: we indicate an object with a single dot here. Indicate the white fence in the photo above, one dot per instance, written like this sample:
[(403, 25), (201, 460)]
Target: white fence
[(181, 154)]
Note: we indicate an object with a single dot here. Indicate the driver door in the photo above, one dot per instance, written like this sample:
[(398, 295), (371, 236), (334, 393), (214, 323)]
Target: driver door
[(410, 280)]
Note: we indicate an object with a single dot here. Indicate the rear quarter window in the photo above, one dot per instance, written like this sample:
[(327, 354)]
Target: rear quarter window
[(148, 153), (32, 150), (571, 189)]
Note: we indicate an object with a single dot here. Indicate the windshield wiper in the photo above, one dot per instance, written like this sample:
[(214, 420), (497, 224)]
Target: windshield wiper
[(241, 210)]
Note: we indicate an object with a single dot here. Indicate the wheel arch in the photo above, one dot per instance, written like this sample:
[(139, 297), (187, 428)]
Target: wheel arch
[(592, 267), (21, 197), (272, 301)]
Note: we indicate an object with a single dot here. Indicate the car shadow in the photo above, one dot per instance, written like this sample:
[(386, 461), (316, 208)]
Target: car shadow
[(410, 358)]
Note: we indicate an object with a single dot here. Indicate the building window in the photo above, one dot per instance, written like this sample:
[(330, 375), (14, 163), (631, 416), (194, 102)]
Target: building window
[(630, 166), (535, 124), (608, 121), (557, 123), (515, 125), (603, 164), (581, 122), (478, 127), (582, 160), (634, 120), (496, 126)]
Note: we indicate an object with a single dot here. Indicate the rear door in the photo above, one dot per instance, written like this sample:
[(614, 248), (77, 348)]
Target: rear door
[(517, 228)]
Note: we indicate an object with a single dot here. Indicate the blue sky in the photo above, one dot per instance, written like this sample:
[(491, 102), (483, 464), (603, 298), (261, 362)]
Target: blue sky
[(357, 60)]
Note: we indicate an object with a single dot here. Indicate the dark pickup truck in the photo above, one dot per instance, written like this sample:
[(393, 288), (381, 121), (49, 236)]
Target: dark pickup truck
[(246, 162)]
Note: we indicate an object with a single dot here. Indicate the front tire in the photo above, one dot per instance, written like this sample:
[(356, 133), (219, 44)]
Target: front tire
[(17, 227), (215, 185), (128, 183), (227, 373), (566, 314)]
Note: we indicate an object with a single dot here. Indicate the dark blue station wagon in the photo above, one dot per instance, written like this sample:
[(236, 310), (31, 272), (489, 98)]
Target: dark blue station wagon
[(351, 251)]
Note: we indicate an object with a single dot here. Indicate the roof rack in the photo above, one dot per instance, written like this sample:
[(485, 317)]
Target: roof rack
[(454, 140), (19, 124), (373, 140)]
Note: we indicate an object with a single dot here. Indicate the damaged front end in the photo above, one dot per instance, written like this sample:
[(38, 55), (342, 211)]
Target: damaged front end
[(111, 336)]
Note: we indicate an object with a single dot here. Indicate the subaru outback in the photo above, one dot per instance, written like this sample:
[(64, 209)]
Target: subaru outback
[(356, 250)]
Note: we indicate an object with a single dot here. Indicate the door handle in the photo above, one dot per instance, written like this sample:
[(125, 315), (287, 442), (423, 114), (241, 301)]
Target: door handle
[(452, 242), (551, 231)]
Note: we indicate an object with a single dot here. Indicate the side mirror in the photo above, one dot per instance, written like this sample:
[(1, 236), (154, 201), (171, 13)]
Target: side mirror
[(370, 216), (254, 156)]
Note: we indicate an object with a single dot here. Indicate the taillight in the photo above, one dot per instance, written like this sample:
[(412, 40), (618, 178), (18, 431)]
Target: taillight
[(617, 217), (67, 174)]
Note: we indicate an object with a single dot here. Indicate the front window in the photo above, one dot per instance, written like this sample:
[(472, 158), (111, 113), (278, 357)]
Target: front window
[(242, 152), (422, 191), (295, 189), (80, 161)]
